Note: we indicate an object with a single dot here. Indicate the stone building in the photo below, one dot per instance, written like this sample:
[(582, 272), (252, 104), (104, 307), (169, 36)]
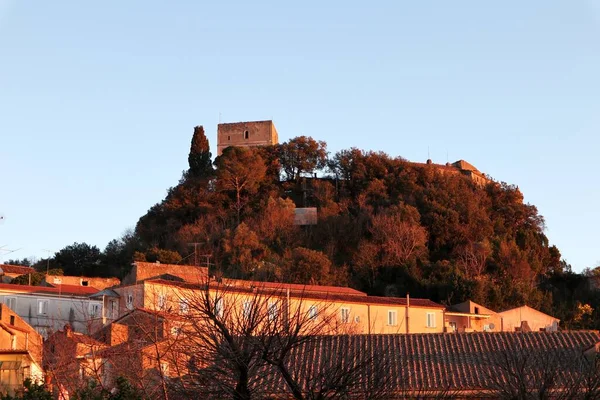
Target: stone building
[(246, 134)]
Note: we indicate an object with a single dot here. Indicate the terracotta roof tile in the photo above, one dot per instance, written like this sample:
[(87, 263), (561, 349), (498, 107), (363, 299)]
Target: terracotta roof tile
[(16, 269), (60, 289), (446, 361)]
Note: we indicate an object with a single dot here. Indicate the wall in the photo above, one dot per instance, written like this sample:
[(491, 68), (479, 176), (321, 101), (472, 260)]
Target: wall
[(260, 133), (98, 283), (535, 319), (364, 317), (58, 313), (144, 270)]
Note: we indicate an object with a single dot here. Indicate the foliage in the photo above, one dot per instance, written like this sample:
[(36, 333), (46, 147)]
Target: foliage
[(199, 158), (36, 278), (385, 226), (31, 391), (122, 391)]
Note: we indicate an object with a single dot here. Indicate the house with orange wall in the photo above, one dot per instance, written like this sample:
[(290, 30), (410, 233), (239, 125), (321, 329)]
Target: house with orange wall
[(356, 312), (20, 351)]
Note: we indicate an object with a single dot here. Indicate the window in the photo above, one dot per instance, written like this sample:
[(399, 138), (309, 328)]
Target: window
[(94, 310), (12, 319), (219, 307), (247, 309), (228, 137), (453, 327), (161, 301), (392, 317), (42, 307), (313, 311), (430, 320), (113, 309), (273, 310), (184, 306), (245, 134), (130, 300), (345, 314), (85, 283), (11, 302), (176, 330), (164, 368), (476, 310)]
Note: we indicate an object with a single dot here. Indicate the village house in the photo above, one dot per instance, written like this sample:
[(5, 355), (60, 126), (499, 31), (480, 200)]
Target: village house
[(71, 359), (48, 309), (525, 318), (472, 317), (20, 351), (10, 272)]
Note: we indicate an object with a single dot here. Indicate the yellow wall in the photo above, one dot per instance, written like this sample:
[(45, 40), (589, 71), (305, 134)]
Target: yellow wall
[(363, 316)]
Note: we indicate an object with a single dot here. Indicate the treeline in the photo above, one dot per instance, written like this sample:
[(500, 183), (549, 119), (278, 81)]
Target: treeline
[(385, 226)]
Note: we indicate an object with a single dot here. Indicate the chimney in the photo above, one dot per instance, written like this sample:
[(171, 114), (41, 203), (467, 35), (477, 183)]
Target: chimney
[(68, 330)]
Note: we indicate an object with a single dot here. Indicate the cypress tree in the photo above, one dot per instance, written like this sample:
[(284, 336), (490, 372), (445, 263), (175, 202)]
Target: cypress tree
[(200, 157)]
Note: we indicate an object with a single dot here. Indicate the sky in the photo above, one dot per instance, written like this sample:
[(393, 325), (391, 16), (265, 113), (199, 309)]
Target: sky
[(98, 100)]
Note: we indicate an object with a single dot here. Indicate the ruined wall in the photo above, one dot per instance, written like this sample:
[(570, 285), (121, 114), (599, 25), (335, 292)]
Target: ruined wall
[(246, 134)]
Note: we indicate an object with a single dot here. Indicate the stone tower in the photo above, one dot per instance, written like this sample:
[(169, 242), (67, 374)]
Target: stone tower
[(246, 134)]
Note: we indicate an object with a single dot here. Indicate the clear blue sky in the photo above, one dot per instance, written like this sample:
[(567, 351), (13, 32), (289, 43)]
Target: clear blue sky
[(98, 100)]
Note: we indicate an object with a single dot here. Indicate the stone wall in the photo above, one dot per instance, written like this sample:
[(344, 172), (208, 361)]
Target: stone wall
[(246, 134)]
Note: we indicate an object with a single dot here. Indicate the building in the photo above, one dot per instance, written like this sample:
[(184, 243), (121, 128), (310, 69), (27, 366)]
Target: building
[(472, 317), (93, 282), (246, 134), (70, 360), (48, 309), (526, 318), (142, 271), (355, 311), (460, 167), (20, 351), (10, 272)]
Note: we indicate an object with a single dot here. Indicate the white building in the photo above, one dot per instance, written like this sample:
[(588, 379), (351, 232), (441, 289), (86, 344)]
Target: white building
[(48, 309)]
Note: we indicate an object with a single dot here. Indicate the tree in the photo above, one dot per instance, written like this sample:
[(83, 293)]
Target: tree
[(199, 159), (308, 266), (302, 154), (241, 171), (80, 259), (31, 391)]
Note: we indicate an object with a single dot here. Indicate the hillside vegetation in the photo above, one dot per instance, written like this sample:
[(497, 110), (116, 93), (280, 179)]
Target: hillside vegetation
[(385, 226)]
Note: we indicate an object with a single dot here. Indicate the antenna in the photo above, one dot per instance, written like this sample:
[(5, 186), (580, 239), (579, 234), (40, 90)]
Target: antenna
[(219, 116), (48, 260), (447, 159), (195, 244)]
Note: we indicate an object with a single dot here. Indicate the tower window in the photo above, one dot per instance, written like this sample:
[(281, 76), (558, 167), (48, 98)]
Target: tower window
[(228, 137), (245, 134)]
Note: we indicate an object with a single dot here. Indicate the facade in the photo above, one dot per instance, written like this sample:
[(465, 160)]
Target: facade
[(246, 134), (460, 167), (142, 271), (355, 312), (84, 281), (526, 318), (472, 317), (10, 272), (70, 360), (48, 309), (20, 351)]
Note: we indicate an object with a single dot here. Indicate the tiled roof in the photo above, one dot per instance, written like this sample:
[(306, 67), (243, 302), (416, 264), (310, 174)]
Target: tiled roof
[(16, 269), (60, 289), (441, 362), (295, 287), (279, 291)]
